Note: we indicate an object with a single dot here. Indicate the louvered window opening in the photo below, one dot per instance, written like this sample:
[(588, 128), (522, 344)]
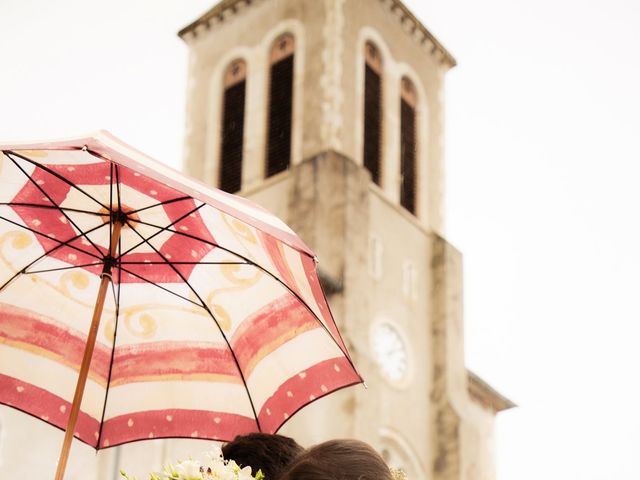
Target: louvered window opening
[(232, 135), (280, 116), (408, 156), (372, 122)]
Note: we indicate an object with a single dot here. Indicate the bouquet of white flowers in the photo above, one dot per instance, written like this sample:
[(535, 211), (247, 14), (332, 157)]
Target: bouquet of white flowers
[(215, 468), (398, 474)]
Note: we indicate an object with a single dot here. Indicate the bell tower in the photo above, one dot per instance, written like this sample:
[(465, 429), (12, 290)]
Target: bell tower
[(330, 114), (293, 79)]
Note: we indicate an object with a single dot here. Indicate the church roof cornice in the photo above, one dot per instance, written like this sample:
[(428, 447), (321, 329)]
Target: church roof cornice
[(218, 12), (415, 28), (412, 26), (486, 395)]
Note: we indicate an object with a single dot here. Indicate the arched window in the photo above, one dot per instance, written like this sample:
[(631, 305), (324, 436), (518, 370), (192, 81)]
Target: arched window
[(372, 111), (280, 105), (232, 128), (408, 145)]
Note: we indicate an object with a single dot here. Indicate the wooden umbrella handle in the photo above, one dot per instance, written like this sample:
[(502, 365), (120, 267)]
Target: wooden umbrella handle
[(86, 358)]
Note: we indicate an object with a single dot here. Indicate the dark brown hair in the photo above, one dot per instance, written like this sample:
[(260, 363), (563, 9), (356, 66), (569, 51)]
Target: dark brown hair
[(263, 451), (345, 459)]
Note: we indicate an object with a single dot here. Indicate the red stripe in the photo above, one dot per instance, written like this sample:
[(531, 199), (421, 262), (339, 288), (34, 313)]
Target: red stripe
[(303, 388), (159, 272), (52, 222), (177, 247), (174, 181), (27, 330), (318, 295), (192, 222), (145, 361), (269, 328), (175, 423), (97, 173), (259, 335), (146, 185), (274, 249), (52, 185), (46, 406)]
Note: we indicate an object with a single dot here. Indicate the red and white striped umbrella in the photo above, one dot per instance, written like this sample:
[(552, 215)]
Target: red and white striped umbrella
[(206, 311)]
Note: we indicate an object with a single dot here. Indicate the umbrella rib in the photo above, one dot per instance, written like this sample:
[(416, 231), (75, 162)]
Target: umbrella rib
[(114, 169), (102, 157), (113, 351), (301, 300), (235, 359), (66, 242), (50, 207), (159, 204), (9, 154), (167, 228), (111, 226), (33, 272), (184, 263), (55, 204), (20, 272), (161, 229), (48, 252), (159, 286), (110, 190), (250, 262), (206, 308), (193, 237)]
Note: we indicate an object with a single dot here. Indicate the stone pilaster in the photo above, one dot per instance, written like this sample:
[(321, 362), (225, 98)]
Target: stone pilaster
[(449, 374)]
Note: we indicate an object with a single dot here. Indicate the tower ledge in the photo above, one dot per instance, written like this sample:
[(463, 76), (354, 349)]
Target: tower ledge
[(484, 394), (218, 12), (411, 25)]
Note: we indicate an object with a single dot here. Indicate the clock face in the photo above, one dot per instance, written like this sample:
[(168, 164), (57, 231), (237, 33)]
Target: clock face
[(390, 351)]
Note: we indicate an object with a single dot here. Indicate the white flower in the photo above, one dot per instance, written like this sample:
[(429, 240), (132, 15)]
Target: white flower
[(215, 453), (188, 470), (221, 471), (217, 468), (245, 474)]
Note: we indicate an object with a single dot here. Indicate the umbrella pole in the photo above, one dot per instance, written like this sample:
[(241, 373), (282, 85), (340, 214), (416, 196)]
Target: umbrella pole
[(88, 353)]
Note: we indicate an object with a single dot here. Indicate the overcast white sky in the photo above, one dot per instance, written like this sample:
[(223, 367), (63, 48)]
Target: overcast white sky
[(543, 120)]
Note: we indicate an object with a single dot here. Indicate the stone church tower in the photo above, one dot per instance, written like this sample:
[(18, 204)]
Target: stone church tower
[(330, 114)]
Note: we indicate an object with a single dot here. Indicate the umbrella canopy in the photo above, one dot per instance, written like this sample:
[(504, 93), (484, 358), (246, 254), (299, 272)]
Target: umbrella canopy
[(212, 321)]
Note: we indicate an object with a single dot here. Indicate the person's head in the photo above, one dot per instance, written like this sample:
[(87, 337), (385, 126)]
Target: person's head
[(263, 451), (345, 459)]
